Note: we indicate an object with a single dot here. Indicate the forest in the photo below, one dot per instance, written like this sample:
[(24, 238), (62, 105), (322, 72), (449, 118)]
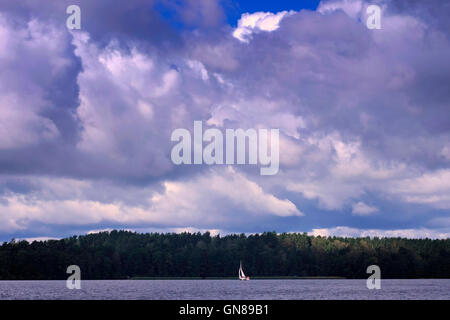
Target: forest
[(125, 254)]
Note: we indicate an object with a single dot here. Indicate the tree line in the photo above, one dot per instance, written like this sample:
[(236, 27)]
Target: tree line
[(124, 254)]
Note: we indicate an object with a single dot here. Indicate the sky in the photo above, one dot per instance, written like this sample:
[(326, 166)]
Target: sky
[(86, 117)]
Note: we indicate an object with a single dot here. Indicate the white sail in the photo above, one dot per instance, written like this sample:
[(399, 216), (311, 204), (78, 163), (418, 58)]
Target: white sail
[(241, 273)]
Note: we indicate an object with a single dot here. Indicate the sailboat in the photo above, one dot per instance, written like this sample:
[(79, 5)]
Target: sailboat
[(242, 275)]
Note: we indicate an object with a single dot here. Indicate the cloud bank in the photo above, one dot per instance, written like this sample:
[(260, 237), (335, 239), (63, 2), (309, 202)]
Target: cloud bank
[(86, 118)]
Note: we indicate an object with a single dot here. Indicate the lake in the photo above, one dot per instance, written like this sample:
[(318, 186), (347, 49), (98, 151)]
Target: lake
[(227, 289)]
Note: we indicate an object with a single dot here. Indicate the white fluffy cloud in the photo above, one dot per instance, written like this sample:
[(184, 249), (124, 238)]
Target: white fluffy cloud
[(402, 233), (430, 188), (218, 195), (250, 23), (362, 209)]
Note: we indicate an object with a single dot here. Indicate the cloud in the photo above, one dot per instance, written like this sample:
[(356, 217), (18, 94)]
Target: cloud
[(362, 209), (30, 240), (401, 233), (431, 188), (203, 13), (258, 21), (351, 7), (133, 21), (86, 116), (220, 194), (37, 63)]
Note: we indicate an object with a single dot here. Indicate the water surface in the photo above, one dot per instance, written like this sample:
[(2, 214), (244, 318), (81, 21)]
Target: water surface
[(227, 289)]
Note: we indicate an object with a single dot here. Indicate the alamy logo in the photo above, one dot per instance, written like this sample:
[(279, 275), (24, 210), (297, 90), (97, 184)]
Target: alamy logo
[(74, 20), (74, 280), (374, 17), (374, 281), (213, 153)]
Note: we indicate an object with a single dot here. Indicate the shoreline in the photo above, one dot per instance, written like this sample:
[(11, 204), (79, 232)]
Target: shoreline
[(235, 278), (271, 278)]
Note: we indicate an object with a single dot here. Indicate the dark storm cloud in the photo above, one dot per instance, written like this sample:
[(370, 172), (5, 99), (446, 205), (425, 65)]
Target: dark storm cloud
[(386, 86), (434, 13), (132, 25), (104, 20)]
